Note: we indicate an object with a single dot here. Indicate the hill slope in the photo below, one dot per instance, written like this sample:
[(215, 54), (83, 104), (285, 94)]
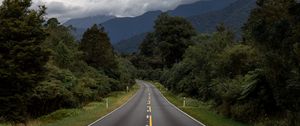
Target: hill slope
[(124, 28), (233, 16), (130, 45)]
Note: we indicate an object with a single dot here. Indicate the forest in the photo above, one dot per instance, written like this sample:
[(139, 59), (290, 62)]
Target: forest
[(254, 79), (43, 68)]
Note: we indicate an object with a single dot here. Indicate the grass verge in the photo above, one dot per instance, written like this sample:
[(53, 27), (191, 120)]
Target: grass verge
[(198, 110), (86, 115)]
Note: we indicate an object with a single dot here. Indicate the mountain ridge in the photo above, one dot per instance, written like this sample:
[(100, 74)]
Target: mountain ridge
[(233, 16), (88, 21), (118, 32)]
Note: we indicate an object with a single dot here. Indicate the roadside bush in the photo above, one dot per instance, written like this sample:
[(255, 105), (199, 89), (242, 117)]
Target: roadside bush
[(50, 96)]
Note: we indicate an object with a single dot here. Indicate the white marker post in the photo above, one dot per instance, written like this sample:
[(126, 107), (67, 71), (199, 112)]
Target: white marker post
[(106, 103), (183, 101), (127, 89)]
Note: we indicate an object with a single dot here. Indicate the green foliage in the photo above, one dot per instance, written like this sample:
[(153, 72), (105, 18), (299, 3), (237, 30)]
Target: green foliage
[(163, 47), (256, 80), (192, 76), (147, 48), (71, 82), (127, 72), (236, 60), (21, 58), (97, 48), (172, 35), (167, 44), (274, 29)]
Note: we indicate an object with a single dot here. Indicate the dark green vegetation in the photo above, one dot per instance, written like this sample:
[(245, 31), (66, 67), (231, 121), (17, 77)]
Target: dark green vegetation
[(165, 46), (97, 49), (255, 80), (43, 68), (22, 60)]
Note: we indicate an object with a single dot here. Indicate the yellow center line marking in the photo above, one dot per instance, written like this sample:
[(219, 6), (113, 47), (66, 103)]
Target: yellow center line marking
[(150, 121)]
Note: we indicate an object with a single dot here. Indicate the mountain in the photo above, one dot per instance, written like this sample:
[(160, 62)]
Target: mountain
[(120, 29), (233, 16), (88, 21), (124, 28), (130, 45), (81, 24)]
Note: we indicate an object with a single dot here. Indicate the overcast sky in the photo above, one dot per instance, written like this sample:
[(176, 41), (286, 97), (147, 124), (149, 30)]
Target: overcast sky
[(67, 9)]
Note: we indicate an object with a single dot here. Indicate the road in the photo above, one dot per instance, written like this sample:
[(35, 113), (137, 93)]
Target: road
[(147, 108)]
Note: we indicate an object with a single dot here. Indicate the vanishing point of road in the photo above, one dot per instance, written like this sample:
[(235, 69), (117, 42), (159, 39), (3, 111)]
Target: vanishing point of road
[(147, 108)]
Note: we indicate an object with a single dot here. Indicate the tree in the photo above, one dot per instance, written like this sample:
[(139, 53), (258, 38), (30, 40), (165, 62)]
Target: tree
[(173, 35), (164, 46), (273, 28), (52, 23), (149, 57), (97, 48), (21, 58), (148, 46)]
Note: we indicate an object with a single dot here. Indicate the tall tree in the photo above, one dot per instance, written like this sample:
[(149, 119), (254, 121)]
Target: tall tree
[(98, 50), (21, 58), (147, 48), (274, 29), (166, 45), (173, 35)]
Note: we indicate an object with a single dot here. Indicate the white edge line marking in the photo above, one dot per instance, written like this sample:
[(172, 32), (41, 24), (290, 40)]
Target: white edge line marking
[(115, 109), (178, 108)]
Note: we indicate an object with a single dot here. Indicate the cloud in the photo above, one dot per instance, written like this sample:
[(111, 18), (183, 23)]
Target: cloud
[(67, 9)]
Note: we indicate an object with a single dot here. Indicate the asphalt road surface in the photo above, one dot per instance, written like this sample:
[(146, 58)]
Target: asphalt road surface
[(147, 108)]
